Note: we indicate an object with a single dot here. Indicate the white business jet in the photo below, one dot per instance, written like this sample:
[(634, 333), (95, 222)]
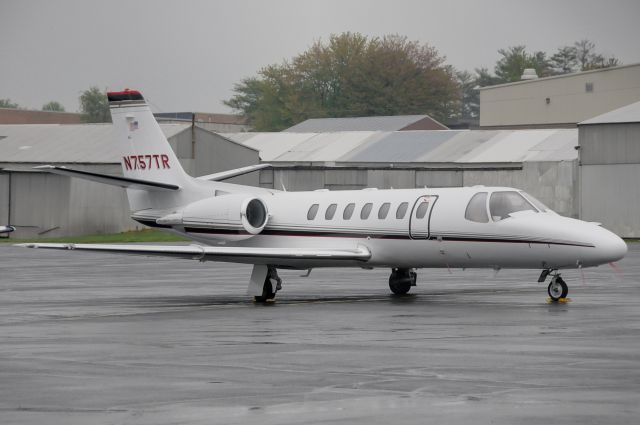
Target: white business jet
[(490, 227), (6, 229)]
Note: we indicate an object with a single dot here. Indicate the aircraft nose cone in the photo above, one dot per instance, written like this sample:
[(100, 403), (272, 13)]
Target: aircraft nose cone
[(612, 247)]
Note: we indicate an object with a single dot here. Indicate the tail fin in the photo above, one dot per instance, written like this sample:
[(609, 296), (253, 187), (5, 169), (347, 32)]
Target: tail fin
[(146, 154), (145, 151)]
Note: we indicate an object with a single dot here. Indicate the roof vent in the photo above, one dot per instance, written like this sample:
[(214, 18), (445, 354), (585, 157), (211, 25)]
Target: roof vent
[(529, 74)]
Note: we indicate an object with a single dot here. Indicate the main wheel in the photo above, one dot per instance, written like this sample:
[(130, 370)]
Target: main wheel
[(557, 289), (267, 292), (400, 283)]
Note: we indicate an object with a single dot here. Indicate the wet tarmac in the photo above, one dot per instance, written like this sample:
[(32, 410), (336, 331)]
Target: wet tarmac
[(106, 339)]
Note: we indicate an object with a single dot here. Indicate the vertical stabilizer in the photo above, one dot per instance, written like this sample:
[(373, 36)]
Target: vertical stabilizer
[(144, 151)]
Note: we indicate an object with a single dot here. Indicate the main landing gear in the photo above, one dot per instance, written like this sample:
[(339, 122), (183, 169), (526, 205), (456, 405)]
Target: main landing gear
[(557, 289), (401, 280), (272, 284)]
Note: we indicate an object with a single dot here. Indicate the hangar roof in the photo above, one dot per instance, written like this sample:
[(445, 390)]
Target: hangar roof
[(81, 143), (626, 114), (381, 123), (435, 146)]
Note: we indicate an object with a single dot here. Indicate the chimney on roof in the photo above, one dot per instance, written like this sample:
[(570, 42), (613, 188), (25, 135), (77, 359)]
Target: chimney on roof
[(528, 74)]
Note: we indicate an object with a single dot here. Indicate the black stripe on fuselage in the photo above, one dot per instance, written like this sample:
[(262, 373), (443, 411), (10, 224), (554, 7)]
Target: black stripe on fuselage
[(302, 233)]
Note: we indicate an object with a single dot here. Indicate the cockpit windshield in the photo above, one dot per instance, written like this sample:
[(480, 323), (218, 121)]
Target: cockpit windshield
[(501, 204), (539, 205)]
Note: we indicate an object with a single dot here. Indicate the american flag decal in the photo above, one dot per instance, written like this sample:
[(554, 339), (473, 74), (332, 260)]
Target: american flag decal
[(133, 125)]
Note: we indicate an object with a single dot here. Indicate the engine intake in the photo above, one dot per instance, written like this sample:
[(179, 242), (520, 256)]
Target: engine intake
[(226, 217)]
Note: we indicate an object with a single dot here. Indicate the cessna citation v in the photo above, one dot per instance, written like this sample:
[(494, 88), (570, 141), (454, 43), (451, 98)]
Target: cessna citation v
[(490, 227)]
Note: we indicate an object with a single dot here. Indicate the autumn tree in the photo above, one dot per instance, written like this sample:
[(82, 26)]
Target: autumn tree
[(350, 75), (94, 105), (53, 106)]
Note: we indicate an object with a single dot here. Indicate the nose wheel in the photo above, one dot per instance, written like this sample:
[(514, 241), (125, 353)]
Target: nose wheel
[(557, 288)]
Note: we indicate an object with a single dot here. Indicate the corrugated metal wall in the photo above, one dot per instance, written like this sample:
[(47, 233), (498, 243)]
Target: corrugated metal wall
[(554, 183), (609, 176)]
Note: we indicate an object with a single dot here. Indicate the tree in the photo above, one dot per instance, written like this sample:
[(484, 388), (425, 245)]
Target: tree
[(53, 106), (94, 106), (515, 60), (7, 103), (565, 60), (350, 75), (588, 59)]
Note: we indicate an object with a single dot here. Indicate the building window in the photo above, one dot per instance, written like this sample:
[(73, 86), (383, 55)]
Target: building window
[(402, 210), (311, 214), (588, 87), (477, 208), (331, 211), (422, 210), (348, 211), (366, 210), (384, 210)]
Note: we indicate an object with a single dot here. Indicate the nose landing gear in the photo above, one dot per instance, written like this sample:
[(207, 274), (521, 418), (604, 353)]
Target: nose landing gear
[(401, 280), (557, 289)]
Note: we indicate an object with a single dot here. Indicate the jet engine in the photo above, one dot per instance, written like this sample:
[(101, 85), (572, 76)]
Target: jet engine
[(226, 217)]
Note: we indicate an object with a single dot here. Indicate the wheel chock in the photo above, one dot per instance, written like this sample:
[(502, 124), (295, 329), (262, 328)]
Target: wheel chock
[(559, 301)]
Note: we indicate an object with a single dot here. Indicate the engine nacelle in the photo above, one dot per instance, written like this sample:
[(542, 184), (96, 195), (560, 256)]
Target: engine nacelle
[(227, 217)]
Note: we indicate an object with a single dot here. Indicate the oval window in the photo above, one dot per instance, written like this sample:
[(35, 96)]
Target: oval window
[(402, 210), (384, 210), (366, 210), (331, 211), (311, 214), (422, 210), (348, 211)]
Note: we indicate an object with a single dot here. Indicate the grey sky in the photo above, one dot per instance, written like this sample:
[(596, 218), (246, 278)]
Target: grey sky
[(186, 55)]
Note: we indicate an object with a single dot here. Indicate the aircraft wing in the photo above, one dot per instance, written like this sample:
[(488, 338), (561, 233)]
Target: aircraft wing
[(284, 257)]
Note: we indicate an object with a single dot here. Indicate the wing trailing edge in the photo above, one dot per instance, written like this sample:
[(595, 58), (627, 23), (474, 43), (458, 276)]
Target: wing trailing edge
[(247, 255)]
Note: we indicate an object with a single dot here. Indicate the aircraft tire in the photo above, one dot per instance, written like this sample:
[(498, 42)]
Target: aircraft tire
[(267, 292), (399, 288), (557, 289)]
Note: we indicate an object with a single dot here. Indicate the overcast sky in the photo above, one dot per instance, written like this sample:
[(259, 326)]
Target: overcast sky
[(187, 55)]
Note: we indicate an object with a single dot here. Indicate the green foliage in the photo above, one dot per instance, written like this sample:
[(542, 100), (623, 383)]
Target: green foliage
[(350, 75), (7, 103), (94, 106), (515, 60), (53, 106)]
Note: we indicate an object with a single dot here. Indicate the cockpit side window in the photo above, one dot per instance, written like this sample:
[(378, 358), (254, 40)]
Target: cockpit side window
[(477, 208), (501, 204)]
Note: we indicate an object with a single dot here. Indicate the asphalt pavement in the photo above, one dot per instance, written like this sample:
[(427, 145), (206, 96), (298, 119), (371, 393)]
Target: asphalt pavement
[(106, 339)]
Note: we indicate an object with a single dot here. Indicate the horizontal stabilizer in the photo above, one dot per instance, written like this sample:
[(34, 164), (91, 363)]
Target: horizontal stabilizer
[(125, 182), (248, 255), (224, 175)]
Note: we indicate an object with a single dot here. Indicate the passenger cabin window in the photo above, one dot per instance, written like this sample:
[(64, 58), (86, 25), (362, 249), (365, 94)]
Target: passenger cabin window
[(402, 210), (384, 210), (501, 204), (348, 211), (366, 210), (330, 212), (422, 210), (311, 214), (477, 208)]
